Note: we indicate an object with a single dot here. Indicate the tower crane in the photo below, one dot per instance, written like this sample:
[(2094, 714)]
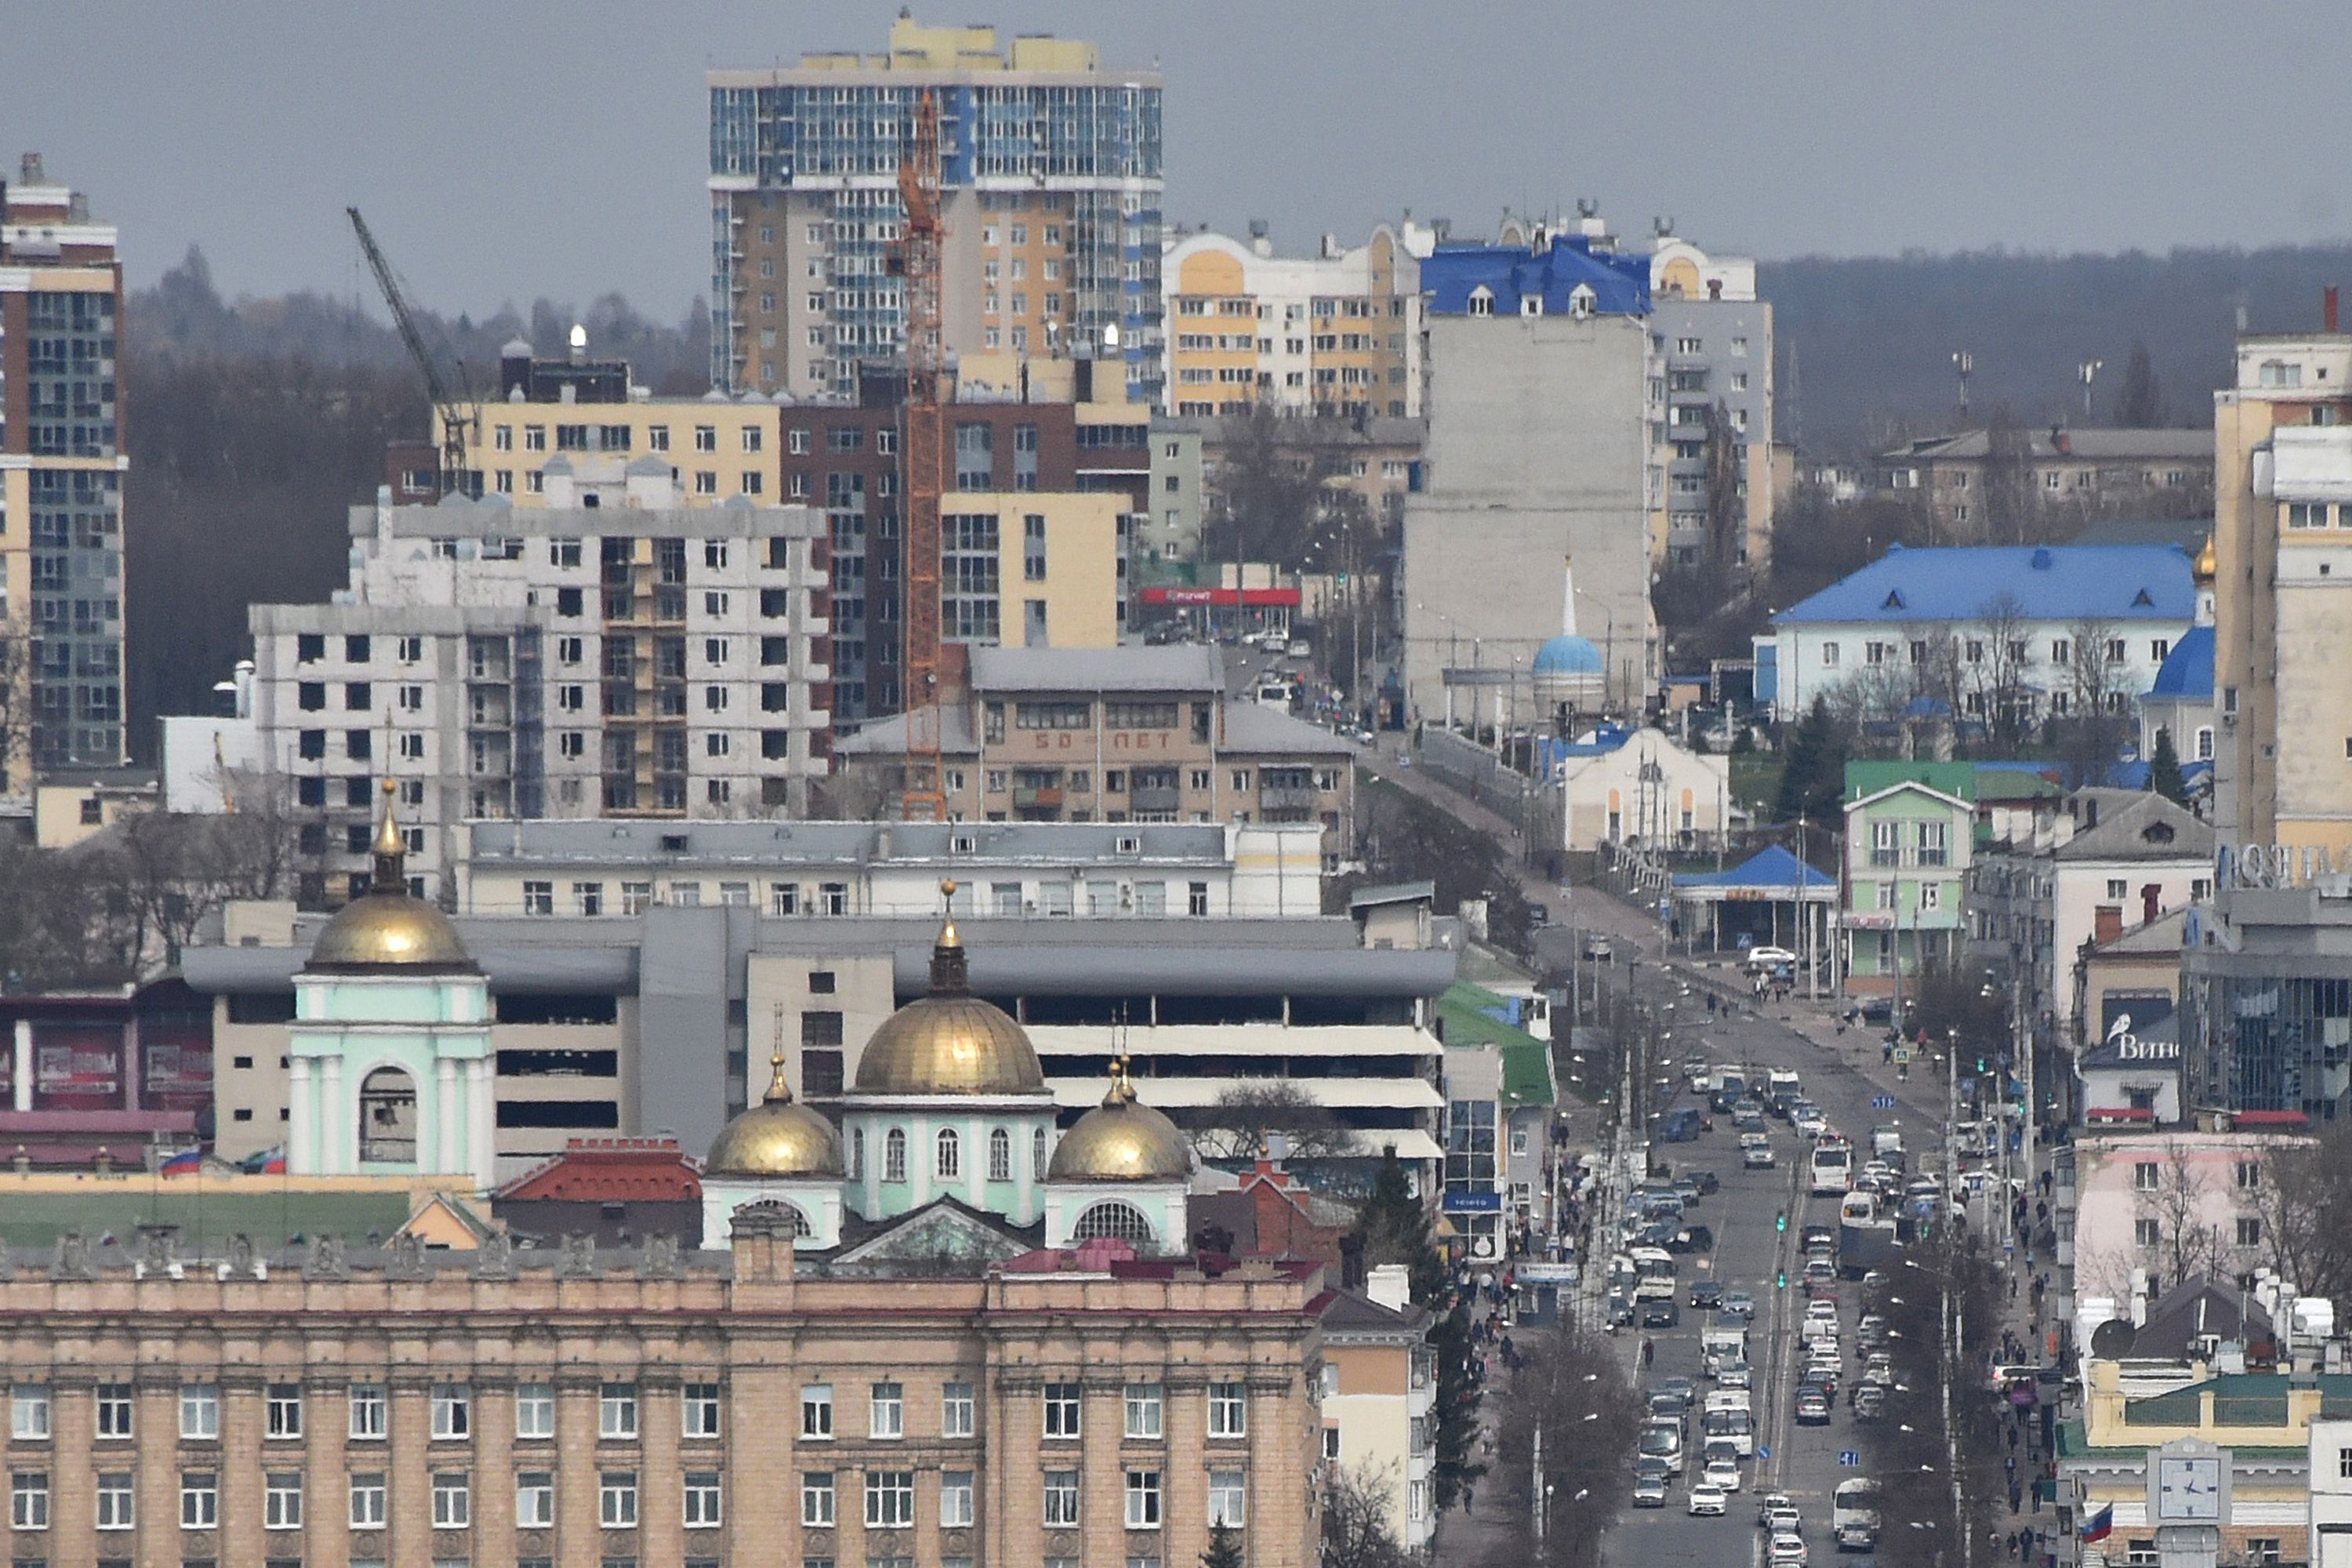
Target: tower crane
[(450, 408), (915, 258)]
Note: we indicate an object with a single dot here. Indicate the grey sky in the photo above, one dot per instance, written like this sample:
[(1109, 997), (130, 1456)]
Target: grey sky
[(509, 150)]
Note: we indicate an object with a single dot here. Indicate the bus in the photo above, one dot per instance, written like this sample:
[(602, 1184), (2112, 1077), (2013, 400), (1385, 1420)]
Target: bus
[(1853, 1514), (1833, 1166)]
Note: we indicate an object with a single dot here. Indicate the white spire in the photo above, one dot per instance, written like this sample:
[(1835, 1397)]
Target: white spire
[(1568, 597)]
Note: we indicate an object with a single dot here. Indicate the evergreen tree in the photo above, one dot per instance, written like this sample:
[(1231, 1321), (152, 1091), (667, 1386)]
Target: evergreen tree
[(2139, 402), (1394, 1226), (1224, 1549), (1458, 1394), (2164, 771), (1813, 779)]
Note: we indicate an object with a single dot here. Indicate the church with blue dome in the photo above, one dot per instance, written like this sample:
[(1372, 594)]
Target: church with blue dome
[(1571, 674)]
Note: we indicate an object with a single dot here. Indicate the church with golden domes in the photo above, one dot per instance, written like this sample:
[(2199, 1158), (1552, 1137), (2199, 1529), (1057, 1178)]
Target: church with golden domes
[(948, 1147)]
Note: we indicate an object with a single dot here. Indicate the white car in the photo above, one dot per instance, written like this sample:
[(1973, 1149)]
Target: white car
[(1721, 1474), (1785, 1548), (1733, 1374), (1707, 1500), (1770, 958)]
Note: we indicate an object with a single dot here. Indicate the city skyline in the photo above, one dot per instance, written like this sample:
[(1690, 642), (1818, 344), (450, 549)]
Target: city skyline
[(1945, 140)]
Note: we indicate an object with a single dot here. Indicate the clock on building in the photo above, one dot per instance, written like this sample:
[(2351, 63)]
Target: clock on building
[(2189, 1488)]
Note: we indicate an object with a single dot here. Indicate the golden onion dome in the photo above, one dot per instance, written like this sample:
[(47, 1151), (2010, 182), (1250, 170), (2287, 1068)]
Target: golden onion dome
[(949, 1042), (2208, 565), (387, 927), (776, 1138), (1121, 1140)]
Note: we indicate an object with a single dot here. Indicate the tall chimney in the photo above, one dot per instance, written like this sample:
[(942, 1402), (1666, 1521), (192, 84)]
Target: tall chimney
[(2327, 308)]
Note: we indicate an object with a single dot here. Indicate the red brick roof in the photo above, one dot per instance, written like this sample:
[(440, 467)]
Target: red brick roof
[(613, 1170)]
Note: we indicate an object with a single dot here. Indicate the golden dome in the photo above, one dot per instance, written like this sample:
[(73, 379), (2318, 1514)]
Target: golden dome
[(776, 1138), (949, 1042), (1121, 1140), (386, 927), (2208, 565)]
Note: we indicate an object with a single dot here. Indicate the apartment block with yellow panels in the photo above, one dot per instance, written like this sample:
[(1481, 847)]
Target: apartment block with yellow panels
[(1337, 333), (2283, 595), (714, 451), (1032, 569)]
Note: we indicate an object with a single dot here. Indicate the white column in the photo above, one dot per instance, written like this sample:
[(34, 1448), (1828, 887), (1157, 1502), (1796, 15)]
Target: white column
[(1024, 1172), (448, 1122), (920, 1157), (975, 1164), (302, 1125), (481, 1119), (22, 1081), (337, 1124)]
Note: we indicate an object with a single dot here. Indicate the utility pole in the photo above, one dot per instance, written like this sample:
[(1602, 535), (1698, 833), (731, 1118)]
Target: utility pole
[(1963, 363), (2089, 371)]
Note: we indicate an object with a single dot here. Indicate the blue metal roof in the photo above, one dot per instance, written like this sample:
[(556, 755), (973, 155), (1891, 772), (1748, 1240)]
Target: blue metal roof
[(1619, 284), (1770, 866), (2187, 672), (2049, 582), (1569, 655)]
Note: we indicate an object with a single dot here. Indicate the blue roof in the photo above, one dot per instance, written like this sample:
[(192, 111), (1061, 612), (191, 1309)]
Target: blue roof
[(1569, 655), (1619, 284), (2049, 582), (2187, 670), (1771, 867)]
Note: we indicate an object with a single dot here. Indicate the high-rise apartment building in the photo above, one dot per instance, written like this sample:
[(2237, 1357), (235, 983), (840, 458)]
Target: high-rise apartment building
[(2282, 611), (1051, 173), (1335, 333), (1715, 338), (613, 653), (61, 467)]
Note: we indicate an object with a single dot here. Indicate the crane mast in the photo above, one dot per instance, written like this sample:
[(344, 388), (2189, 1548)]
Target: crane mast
[(448, 411), (915, 257)]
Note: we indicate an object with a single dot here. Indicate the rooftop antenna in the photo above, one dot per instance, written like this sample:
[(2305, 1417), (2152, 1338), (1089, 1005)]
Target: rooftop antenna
[(1963, 363), (2089, 371)]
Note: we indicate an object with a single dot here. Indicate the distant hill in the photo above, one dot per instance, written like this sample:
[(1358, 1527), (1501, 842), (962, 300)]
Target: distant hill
[(1866, 345)]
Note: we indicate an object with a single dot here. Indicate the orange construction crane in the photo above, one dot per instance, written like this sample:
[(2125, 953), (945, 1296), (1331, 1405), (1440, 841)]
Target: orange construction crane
[(915, 258)]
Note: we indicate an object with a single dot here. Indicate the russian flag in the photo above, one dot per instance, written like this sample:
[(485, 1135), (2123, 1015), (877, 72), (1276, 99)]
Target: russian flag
[(2100, 1525), (269, 1162), (187, 1163)]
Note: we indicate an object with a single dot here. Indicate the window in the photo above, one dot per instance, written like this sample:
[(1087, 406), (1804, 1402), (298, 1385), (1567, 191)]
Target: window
[(616, 1410), (816, 1497), (2141, 1552), (1062, 1410), (200, 1411), (894, 1155), (1228, 1499), (28, 1499), (1143, 1499), (2250, 1231), (702, 1499), (616, 1500), (1228, 1411), (29, 1411), (2144, 1175), (1061, 1499), (285, 1411), (1143, 1410), (199, 1500), (698, 1414), (367, 1500), (534, 1498), (1829, 655), (816, 1410), (890, 1500), (534, 1410), (453, 1412), (114, 1421), (888, 1411), (2248, 1175), (2263, 1551), (367, 1410), (453, 1501), (956, 1410), (115, 1511), (1196, 899), (999, 1156), (2143, 1232), (955, 1499), (281, 1500), (949, 1164)]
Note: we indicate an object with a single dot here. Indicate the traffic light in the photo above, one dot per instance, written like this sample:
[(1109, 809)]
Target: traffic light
[(1780, 1220), (1780, 1280), (1981, 1064)]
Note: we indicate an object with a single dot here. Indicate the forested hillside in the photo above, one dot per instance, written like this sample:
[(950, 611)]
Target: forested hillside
[(1867, 346)]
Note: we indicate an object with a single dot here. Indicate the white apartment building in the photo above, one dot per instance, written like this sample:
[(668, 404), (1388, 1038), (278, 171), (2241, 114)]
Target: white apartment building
[(613, 653), (615, 867)]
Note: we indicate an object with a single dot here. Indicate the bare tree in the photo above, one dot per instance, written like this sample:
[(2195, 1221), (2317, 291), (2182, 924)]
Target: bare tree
[(16, 705), (2013, 509), (1359, 1505), (2177, 1240), (2092, 730), (1245, 1118), (1994, 656), (2302, 1196)]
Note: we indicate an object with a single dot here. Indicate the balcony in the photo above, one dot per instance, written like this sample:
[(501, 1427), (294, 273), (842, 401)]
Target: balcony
[(1156, 797), (1037, 799), (1287, 797), (2310, 463)]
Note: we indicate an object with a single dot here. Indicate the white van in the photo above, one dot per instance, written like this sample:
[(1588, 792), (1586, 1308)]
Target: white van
[(1736, 1427), (1718, 1347)]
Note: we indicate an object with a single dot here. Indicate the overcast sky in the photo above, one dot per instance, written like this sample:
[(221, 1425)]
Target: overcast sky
[(514, 149)]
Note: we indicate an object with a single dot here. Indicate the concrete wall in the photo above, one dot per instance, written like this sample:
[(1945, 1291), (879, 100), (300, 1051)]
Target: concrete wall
[(1537, 446), (688, 1031)]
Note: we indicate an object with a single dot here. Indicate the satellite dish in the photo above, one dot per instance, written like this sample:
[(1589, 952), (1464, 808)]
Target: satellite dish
[(2112, 1341)]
